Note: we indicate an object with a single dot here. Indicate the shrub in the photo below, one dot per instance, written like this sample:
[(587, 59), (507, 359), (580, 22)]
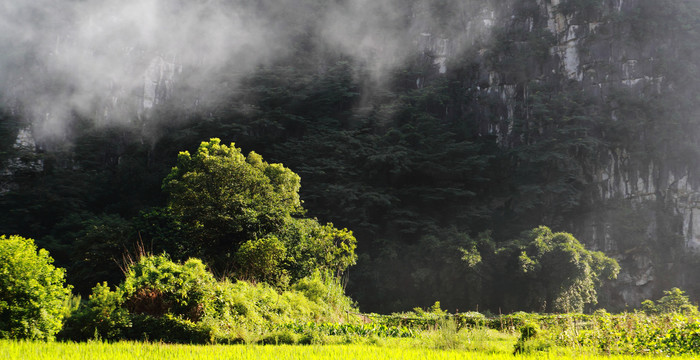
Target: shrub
[(529, 330), (161, 300), (471, 319), (279, 338), (168, 328), (259, 260), (638, 333), (33, 293), (157, 286), (673, 301), (324, 289), (102, 316)]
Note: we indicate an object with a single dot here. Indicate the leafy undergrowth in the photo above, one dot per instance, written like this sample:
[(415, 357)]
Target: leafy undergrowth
[(367, 329), (168, 302), (161, 300), (637, 333), (634, 333)]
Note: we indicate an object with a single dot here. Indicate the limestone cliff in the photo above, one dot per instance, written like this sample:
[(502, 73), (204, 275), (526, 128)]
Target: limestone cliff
[(641, 203)]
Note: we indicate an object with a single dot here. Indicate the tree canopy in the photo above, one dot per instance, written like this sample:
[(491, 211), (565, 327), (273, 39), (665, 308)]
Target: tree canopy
[(240, 214), (542, 271), (562, 276), (225, 199)]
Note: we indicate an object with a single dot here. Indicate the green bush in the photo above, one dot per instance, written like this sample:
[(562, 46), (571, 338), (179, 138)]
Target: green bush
[(471, 319), (33, 293), (638, 333), (259, 260), (529, 330), (102, 317), (673, 301), (324, 289), (157, 286), (279, 338), (161, 300), (168, 328)]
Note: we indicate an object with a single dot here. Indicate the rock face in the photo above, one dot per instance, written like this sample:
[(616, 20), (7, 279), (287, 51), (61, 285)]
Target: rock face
[(643, 209), (642, 205), (158, 81), (645, 206), (24, 144)]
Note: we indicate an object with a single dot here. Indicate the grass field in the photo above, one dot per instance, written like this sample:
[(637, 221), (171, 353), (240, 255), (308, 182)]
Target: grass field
[(28, 350), (555, 337)]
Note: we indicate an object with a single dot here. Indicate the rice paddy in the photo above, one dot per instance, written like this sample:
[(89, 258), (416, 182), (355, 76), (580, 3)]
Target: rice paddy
[(95, 350)]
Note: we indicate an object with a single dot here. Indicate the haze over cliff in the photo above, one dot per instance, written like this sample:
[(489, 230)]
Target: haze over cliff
[(97, 58)]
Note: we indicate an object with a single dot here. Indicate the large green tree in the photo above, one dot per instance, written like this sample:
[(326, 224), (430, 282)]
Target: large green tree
[(33, 293), (224, 198), (540, 271), (240, 215)]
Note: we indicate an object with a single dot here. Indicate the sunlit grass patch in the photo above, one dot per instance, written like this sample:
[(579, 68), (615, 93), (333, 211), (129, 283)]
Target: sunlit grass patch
[(400, 349)]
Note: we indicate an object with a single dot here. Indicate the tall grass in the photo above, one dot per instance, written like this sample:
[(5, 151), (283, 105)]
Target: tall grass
[(27, 350)]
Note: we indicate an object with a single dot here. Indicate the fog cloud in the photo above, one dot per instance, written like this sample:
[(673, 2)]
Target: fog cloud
[(111, 60)]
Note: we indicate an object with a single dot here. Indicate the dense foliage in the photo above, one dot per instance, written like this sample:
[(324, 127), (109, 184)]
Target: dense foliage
[(604, 336), (673, 301), (236, 214), (166, 301), (550, 272), (670, 334), (224, 199), (33, 293)]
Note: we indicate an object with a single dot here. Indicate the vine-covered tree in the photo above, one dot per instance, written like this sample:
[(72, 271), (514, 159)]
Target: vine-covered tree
[(540, 271)]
